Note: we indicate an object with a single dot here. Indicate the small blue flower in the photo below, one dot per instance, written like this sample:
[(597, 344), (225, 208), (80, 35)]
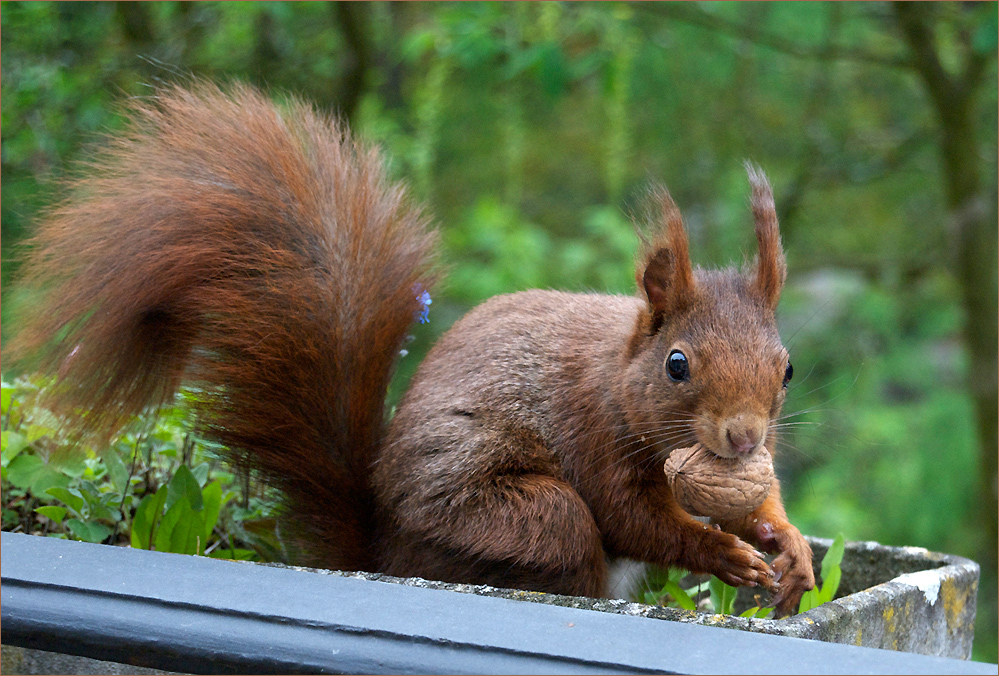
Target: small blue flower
[(423, 298)]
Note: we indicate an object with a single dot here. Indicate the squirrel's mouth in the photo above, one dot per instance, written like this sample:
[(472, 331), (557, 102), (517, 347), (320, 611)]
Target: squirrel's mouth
[(735, 436)]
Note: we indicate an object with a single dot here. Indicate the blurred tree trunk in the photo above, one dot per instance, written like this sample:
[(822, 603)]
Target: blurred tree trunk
[(353, 20), (135, 23), (265, 52), (191, 28), (812, 156), (388, 64), (973, 234)]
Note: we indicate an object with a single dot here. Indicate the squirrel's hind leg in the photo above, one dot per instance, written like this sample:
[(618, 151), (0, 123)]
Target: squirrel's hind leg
[(525, 531)]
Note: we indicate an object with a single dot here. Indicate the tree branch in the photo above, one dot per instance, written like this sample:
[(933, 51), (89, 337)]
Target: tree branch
[(695, 16), (919, 36)]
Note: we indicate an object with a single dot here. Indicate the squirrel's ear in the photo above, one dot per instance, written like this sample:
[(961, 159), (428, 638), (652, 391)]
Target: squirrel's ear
[(771, 267), (664, 272)]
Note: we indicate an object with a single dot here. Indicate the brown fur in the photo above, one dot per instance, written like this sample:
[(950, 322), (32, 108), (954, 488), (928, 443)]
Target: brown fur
[(259, 254), (210, 244)]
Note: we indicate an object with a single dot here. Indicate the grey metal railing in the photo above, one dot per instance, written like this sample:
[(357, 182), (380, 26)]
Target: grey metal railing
[(198, 615)]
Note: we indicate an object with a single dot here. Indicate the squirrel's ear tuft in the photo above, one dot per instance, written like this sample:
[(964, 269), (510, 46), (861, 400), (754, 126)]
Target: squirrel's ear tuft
[(771, 267), (664, 274)]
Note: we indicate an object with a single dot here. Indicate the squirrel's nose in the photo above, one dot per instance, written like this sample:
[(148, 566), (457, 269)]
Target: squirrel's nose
[(743, 433)]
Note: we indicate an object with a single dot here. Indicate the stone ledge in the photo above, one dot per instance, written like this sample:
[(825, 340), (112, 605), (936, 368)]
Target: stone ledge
[(897, 598)]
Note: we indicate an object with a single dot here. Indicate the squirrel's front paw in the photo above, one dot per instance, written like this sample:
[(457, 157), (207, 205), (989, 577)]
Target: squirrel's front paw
[(792, 567), (736, 562)]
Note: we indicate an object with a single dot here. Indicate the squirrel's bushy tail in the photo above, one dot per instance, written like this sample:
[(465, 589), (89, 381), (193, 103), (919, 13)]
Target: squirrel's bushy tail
[(257, 253)]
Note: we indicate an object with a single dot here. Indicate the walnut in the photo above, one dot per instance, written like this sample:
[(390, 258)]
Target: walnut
[(705, 484)]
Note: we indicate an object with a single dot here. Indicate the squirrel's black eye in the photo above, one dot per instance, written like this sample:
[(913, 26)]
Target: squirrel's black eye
[(677, 367), (788, 372)]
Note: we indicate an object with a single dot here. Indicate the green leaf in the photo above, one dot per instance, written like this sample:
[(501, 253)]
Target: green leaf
[(9, 518), (88, 531), (722, 596), (32, 473), (99, 510), (830, 585), (47, 480), (71, 497), (680, 596), (676, 574), (147, 517), (117, 471), (200, 472), (6, 396), (698, 588), (809, 600), (185, 538), (71, 464), (184, 485), (212, 498), (22, 470), (142, 523), (89, 490), (834, 556), (53, 512), (13, 443), (164, 537)]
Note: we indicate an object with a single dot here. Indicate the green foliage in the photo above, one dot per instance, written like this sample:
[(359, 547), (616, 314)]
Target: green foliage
[(829, 575), (529, 127), (721, 598), (671, 593), (152, 490), (885, 420), (757, 612), (179, 517), (505, 253)]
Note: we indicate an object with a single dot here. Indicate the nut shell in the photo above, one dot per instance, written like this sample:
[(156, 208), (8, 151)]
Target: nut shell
[(705, 484)]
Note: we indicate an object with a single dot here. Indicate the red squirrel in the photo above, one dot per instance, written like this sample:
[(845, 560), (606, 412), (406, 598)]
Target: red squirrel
[(257, 253)]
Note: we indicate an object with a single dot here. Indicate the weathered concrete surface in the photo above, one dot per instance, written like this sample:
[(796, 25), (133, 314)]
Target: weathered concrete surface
[(926, 603), (17, 660), (898, 598)]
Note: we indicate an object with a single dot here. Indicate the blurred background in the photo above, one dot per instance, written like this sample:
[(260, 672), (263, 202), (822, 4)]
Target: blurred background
[(531, 130)]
